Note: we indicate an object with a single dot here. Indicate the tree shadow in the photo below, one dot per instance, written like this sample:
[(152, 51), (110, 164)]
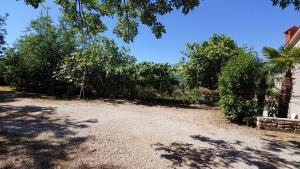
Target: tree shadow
[(103, 166), (169, 103), (172, 103), (279, 146), (7, 96), (31, 137), (221, 153)]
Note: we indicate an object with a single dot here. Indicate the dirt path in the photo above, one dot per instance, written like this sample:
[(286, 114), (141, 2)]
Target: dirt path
[(37, 133)]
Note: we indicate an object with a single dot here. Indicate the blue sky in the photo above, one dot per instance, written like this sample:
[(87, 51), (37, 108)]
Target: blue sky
[(254, 23)]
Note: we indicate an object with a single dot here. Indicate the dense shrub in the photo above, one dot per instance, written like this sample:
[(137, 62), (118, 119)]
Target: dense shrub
[(272, 98), (187, 96), (208, 96), (237, 89), (197, 95), (154, 79)]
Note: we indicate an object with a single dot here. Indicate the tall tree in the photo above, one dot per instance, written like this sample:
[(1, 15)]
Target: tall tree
[(2, 32), (37, 55), (101, 67), (285, 61), (206, 60)]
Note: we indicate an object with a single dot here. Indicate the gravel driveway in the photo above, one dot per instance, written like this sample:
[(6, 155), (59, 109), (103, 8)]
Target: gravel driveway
[(41, 133)]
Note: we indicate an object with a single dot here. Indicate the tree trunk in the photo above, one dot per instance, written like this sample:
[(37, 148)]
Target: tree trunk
[(285, 95), (52, 83), (82, 84), (261, 95)]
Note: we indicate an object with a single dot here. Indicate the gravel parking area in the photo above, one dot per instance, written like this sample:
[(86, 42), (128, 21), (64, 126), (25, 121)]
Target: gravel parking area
[(43, 133)]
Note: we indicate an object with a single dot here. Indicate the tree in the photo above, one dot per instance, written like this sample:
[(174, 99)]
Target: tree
[(285, 60), (2, 32), (129, 13), (237, 88), (155, 79), (36, 56), (102, 67), (285, 3), (2, 43), (206, 60)]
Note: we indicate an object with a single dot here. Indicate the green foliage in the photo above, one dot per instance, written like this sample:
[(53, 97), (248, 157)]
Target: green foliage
[(196, 95), (187, 96), (285, 3), (60, 59), (285, 61), (272, 106), (2, 33), (2, 71), (34, 3), (88, 14), (110, 71), (208, 96), (237, 88), (282, 60), (206, 60), (272, 95), (106, 68), (155, 79), (53, 59), (36, 56)]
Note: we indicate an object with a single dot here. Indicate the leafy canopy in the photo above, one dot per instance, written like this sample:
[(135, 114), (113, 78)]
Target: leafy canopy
[(285, 3), (206, 60), (2, 32), (88, 14), (37, 54), (103, 65)]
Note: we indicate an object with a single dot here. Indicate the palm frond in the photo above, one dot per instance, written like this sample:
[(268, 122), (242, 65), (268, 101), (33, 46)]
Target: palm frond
[(271, 53), (295, 54)]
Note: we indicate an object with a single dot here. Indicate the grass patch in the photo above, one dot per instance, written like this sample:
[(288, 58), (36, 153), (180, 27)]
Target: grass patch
[(7, 88)]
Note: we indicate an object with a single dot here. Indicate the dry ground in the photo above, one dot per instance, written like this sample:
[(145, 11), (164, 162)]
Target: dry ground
[(43, 133)]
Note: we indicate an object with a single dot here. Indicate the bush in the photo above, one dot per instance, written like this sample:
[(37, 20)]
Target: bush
[(272, 105), (237, 89), (197, 95), (207, 96), (187, 96)]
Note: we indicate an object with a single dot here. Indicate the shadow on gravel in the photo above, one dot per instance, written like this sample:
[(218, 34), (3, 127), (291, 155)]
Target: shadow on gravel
[(7, 96), (174, 104), (114, 100), (104, 166), (276, 145), (162, 102), (20, 128), (220, 153)]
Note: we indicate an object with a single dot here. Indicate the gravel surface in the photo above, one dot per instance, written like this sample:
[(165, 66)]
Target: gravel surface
[(41, 133)]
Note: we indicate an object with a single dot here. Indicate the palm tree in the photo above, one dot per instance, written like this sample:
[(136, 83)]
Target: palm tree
[(285, 61)]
